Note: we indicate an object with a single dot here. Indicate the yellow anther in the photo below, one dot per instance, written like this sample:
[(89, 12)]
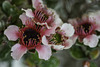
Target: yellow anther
[(81, 26), (89, 27), (86, 31), (26, 41), (25, 36), (26, 26)]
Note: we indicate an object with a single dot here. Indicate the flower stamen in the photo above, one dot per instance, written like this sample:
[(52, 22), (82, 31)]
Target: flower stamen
[(85, 29), (41, 16)]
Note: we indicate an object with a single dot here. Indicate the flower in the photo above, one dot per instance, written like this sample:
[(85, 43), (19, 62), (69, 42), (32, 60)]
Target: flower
[(30, 38), (86, 64), (96, 17), (85, 30), (43, 15), (61, 39)]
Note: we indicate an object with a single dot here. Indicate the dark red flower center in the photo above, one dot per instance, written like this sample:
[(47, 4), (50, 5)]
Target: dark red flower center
[(31, 35), (85, 29)]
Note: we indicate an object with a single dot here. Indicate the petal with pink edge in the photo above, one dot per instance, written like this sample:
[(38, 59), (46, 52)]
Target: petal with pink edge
[(96, 18), (98, 28), (29, 13), (44, 24), (50, 31), (74, 38), (11, 32), (24, 18), (44, 52), (85, 17), (68, 29), (37, 3), (68, 44), (91, 40), (71, 41), (18, 51), (57, 19), (73, 22)]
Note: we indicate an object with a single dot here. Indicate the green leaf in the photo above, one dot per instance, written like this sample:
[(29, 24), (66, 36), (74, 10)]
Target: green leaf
[(6, 6), (52, 62), (1, 36), (32, 58), (51, 3), (10, 10), (17, 2), (79, 43), (77, 52), (4, 50), (36, 58), (3, 25), (1, 2), (94, 54), (92, 64)]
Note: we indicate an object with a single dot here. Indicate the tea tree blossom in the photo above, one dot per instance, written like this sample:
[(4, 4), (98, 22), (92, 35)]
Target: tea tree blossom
[(96, 17), (43, 15), (30, 38), (86, 64), (85, 30), (62, 39)]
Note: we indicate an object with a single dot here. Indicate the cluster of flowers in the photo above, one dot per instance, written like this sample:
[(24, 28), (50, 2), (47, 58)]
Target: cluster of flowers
[(43, 29)]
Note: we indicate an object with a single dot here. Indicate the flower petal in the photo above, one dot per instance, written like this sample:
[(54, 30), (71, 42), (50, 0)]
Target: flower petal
[(96, 18), (98, 28), (68, 29), (44, 52), (44, 24), (97, 23), (58, 47), (68, 44), (71, 41), (44, 40), (85, 17), (57, 19), (29, 13), (18, 51), (91, 40), (74, 38), (23, 18), (73, 22), (11, 32), (37, 3), (50, 31)]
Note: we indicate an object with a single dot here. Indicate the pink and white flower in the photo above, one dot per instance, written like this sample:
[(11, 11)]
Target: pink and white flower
[(96, 17), (43, 15), (85, 30), (30, 38), (62, 38)]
